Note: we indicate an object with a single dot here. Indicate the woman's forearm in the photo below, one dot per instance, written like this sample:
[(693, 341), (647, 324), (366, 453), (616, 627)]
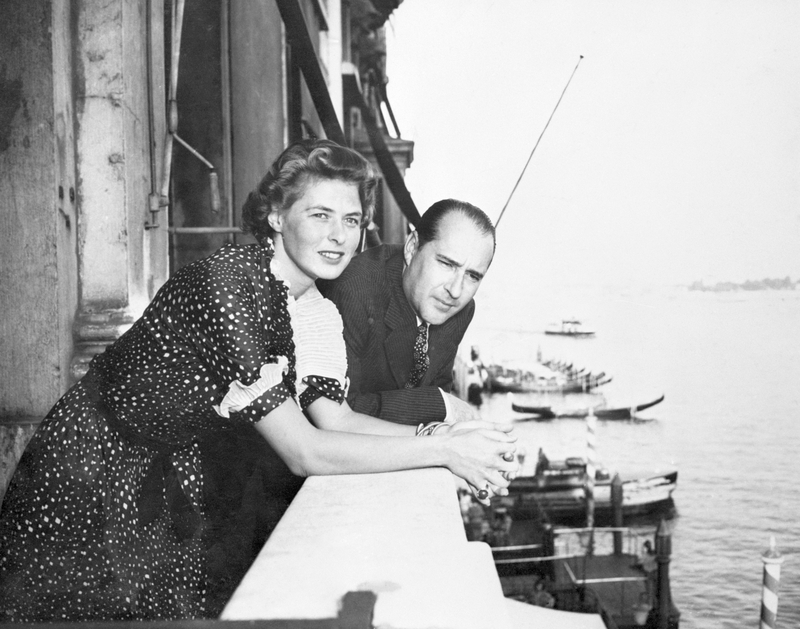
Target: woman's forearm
[(334, 452), (472, 452), (340, 447), (329, 415)]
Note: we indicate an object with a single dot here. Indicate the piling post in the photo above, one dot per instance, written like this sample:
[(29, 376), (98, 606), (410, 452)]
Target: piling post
[(616, 505), (663, 553), (772, 576), (591, 467), (549, 543)]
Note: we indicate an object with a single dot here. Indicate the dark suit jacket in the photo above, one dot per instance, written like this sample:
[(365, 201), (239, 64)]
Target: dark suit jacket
[(380, 328)]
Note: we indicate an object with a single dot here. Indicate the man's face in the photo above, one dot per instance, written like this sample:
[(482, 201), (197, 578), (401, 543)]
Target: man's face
[(443, 275)]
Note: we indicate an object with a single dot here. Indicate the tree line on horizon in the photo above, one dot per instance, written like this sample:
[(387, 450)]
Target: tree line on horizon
[(766, 284)]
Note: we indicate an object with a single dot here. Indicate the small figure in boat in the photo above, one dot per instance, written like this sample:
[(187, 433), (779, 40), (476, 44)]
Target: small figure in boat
[(648, 563), (541, 596), (464, 504), (500, 534), (542, 463), (647, 560), (476, 379), (476, 526)]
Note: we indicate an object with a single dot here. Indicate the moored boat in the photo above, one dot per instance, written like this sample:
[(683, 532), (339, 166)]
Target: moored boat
[(612, 572), (621, 412), (557, 492), (539, 412), (569, 327), (541, 379), (626, 413)]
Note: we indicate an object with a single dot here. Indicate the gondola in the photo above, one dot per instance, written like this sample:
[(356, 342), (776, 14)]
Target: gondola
[(547, 412), (538, 412), (625, 413)]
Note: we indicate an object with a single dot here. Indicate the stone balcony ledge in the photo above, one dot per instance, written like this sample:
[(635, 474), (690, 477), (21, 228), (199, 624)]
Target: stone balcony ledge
[(399, 535)]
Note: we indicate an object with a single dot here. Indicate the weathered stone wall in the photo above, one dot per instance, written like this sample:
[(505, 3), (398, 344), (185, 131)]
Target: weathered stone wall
[(36, 213), (75, 180), (37, 218)]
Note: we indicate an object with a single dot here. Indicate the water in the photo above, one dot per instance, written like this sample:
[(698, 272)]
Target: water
[(729, 365)]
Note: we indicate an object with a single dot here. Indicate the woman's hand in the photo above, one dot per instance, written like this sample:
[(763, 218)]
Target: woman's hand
[(476, 453)]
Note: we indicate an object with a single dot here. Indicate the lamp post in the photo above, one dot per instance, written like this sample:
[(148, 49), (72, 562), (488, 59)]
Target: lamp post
[(616, 506), (663, 552)]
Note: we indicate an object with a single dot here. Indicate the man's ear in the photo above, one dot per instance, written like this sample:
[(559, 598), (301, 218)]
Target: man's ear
[(411, 246)]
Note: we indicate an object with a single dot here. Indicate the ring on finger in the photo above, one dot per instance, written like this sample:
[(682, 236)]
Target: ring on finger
[(483, 494), (508, 457)]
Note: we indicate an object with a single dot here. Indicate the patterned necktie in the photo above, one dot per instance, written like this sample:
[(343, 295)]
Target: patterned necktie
[(421, 360)]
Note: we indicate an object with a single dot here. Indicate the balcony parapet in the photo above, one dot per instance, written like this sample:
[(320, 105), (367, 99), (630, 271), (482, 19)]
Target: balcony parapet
[(399, 535)]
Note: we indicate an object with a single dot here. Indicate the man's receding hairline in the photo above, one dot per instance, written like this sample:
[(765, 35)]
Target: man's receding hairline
[(457, 211)]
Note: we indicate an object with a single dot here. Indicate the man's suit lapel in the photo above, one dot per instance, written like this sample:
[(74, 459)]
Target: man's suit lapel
[(440, 346), (400, 322)]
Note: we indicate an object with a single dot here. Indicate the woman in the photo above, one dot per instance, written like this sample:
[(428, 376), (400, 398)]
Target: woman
[(146, 492)]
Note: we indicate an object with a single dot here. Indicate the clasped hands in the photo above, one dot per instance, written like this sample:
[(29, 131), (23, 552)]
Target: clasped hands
[(486, 457)]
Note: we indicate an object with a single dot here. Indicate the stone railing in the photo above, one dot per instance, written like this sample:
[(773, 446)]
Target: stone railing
[(398, 535)]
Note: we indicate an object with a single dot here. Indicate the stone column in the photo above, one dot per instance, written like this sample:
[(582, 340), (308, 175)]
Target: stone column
[(115, 180)]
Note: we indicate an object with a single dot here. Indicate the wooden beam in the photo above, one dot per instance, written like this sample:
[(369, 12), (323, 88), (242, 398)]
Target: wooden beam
[(304, 54)]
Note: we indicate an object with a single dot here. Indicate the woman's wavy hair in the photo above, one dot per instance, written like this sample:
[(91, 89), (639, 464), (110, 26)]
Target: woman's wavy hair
[(295, 169)]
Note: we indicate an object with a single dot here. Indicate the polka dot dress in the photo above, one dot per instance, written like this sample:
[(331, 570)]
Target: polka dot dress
[(135, 499)]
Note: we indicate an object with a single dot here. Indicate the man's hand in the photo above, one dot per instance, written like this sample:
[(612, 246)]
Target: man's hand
[(485, 456), (460, 411)]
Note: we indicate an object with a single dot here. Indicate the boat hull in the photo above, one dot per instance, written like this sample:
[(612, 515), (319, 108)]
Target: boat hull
[(508, 385), (567, 498), (572, 334), (623, 413)]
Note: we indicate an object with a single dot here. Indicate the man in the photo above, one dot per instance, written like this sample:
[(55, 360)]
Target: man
[(405, 310)]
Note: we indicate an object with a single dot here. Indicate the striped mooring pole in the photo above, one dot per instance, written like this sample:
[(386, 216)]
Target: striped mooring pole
[(772, 577), (591, 466)]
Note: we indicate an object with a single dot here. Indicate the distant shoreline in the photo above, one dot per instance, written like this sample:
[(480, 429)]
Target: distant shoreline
[(766, 284)]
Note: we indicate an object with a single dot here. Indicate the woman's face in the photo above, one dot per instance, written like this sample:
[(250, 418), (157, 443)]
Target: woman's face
[(317, 235)]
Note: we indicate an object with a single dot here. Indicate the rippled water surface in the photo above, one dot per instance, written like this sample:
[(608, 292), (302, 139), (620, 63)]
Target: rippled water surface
[(729, 365)]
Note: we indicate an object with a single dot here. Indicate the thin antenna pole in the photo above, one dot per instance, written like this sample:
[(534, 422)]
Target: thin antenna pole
[(537, 142)]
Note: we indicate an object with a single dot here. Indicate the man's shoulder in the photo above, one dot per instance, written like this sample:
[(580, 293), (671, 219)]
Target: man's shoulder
[(373, 259), (459, 322), (367, 268)]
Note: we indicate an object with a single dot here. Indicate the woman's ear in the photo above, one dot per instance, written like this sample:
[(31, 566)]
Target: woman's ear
[(274, 220)]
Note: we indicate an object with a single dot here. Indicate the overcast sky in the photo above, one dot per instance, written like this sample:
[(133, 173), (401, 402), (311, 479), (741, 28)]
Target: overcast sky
[(674, 155)]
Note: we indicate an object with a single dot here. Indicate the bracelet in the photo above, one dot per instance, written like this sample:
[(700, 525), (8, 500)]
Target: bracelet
[(439, 425), (424, 430)]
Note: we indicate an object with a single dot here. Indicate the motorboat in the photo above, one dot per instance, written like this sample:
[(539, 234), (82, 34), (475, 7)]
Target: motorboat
[(557, 491), (569, 327)]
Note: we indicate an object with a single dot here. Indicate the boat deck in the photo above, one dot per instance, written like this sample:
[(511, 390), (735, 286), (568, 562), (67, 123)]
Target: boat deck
[(619, 583)]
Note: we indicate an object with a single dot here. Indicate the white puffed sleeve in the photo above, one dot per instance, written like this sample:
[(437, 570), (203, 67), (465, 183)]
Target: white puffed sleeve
[(240, 396), (319, 341)]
